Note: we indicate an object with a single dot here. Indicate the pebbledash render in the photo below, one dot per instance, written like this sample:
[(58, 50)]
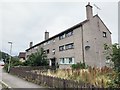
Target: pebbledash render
[(83, 42)]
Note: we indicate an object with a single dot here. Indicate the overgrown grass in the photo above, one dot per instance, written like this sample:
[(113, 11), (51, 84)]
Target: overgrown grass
[(100, 77)]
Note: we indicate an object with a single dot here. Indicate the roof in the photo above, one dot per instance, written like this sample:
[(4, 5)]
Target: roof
[(69, 29), (22, 55)]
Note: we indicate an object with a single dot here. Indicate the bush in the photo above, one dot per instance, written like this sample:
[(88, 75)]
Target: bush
[(13, 62), (79, 66), (6, 67)]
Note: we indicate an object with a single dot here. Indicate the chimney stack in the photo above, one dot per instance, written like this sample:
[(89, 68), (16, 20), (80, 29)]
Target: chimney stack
[(31, 44), (46, 35), (89, 11)]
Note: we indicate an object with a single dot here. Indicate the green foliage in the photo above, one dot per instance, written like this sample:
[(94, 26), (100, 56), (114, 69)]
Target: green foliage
[(79, 66), (6, 67), (4, 56), (13, 62), (37, 59), (115, 58)]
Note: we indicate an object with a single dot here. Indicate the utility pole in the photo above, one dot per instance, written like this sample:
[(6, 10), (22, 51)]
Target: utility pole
[(10, 56)]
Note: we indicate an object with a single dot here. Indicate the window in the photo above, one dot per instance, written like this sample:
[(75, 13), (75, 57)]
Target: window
[(44, 52), (47, 51), (69, 46), (104, 34), (62, 60), (71, 60), (62, 36), (61, 48), (48, 42), (67, 60), (53, 51), (68, 34), (44, 44), (53, 40)]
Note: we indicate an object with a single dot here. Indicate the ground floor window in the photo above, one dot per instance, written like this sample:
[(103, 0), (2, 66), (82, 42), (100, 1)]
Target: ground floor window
[(62, 61), (67, 60)]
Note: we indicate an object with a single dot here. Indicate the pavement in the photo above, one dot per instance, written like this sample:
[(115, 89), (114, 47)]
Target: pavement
[(0, 77), (14, 82)]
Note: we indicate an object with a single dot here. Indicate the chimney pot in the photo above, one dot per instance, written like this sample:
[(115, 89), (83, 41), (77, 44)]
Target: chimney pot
[(31, 44), (46, 35)]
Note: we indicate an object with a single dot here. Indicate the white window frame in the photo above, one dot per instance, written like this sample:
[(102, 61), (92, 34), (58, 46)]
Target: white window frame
[(66, 60)]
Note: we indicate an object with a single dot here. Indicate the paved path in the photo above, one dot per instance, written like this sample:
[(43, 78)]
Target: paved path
[(15, 82), (0, 77)]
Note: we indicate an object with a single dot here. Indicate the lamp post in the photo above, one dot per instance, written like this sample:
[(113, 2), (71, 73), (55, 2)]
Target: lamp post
[(10, 56)]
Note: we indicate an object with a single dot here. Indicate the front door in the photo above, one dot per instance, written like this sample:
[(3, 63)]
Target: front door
[(53, 62)]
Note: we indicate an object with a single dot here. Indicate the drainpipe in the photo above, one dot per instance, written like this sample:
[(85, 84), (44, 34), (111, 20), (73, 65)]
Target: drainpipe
[(82, 44)]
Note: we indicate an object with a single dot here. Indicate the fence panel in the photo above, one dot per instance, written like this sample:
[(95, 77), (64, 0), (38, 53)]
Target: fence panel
[(55, 82)]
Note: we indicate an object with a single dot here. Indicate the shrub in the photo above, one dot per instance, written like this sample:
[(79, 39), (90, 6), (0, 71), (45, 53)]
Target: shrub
[(79, 66), (38, 58)]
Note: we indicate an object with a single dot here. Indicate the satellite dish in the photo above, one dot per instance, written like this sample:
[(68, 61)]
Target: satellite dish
[(87, 47)]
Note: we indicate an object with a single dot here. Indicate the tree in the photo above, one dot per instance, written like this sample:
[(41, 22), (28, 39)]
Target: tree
[(115, 58), (38, 58), (13, 62), (4, 56)]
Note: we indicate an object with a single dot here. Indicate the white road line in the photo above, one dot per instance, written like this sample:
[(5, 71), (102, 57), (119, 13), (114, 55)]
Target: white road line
[(5, 84)]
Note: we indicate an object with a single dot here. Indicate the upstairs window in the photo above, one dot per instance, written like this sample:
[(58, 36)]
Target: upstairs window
[(48, 42), (44, 52), (104, 34), (62, 36), (47, 51), (69, 46), (44, 43), (53, 40), (53, 51), (68, 34), (61, 48)]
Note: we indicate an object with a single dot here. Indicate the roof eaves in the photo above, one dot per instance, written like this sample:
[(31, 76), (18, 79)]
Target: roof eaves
[(71, 28)]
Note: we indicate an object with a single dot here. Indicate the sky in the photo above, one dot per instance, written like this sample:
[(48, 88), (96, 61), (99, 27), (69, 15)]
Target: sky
[(22, 22)]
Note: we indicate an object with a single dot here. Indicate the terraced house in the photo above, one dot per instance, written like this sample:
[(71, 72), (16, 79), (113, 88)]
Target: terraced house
[(83, 42)]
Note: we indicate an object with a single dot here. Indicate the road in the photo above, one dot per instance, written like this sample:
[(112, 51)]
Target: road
[(15, 82)]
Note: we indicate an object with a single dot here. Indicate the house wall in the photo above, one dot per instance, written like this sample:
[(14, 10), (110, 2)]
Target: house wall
[(93, 37), (76, 52)]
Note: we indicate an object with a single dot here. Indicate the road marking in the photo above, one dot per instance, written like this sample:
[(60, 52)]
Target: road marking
[(5, 84)]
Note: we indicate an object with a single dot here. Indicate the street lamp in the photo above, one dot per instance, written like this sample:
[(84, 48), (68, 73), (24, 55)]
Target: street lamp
[(10, 56)]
